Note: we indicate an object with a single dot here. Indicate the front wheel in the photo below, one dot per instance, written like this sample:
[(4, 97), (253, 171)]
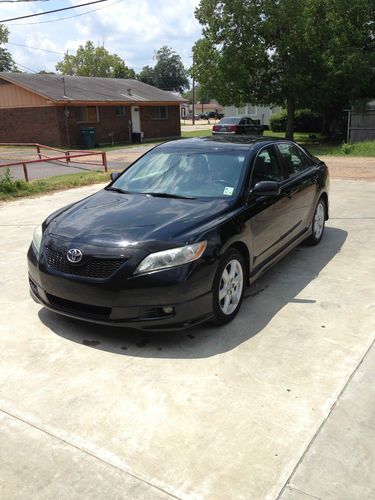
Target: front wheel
[(228, 287), (318, 223)]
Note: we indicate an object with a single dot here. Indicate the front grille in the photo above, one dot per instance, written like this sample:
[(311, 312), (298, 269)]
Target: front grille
[(92, 268), (79, 308)]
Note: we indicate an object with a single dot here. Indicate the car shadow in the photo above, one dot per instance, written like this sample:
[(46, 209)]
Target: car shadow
[(262, 301)]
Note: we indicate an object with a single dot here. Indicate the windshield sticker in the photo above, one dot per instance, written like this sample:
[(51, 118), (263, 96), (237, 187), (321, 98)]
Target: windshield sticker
[(228, 191)]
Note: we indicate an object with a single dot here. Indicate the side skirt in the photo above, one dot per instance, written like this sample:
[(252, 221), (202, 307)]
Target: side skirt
[(279, 256)]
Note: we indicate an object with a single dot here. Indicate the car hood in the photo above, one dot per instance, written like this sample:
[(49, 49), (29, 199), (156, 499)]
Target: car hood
[(121, 220)]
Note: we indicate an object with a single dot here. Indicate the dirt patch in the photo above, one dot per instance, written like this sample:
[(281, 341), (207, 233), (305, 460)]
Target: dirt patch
[(354, 167)]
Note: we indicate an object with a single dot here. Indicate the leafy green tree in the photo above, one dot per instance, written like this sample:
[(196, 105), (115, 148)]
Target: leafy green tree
[(343, 32), (94, 61), (147, 75), (6, 60), (169, 72), (301, 53)]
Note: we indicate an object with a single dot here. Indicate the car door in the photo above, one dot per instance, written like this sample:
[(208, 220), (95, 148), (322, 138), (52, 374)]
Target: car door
[(268, 221), (300, 185), (253, 127), (242, 127)]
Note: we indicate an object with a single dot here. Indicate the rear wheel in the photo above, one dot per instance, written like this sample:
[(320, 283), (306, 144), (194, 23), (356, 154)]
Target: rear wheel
[(228, 287), (318, 223)]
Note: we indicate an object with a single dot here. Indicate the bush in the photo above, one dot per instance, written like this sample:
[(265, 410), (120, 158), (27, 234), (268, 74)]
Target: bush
[(347, 148), (7, 183), (10, 185), (305, 120)]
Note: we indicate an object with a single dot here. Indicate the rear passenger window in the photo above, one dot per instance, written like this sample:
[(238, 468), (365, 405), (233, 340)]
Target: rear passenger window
[(295, 160), (266, 167)]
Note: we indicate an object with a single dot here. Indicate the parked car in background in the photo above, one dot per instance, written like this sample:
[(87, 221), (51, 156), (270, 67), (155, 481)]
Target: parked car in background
[(173, 240), (196, 116), (237, 125), (211, 115)]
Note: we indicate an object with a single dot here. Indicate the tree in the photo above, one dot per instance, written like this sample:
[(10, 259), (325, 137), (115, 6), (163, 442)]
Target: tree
[(293, 52), (169, 72), (6, 60), (147, 75), (94, 61), (346, 33)]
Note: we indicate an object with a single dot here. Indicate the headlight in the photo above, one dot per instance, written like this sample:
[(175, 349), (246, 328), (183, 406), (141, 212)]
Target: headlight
[(171, 258), (37, 238)]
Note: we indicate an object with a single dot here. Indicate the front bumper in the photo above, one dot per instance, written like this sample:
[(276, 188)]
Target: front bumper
[(135, 302)]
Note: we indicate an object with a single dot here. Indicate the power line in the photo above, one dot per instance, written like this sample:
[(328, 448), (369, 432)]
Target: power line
[(29, 69), (22, 1), (55, 52), (51, 11), (67, 17), (35, 48)]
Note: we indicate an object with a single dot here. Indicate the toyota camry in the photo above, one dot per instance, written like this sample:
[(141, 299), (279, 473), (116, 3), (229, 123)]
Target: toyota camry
[(173, 240)]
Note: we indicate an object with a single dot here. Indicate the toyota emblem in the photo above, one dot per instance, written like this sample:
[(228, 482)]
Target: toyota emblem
[(74, 255)]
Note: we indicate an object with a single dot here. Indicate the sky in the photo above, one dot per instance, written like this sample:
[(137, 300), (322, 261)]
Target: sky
[(133, 29)]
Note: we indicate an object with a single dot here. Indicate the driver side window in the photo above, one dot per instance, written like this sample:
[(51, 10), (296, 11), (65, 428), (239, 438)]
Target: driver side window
[(266, 167)]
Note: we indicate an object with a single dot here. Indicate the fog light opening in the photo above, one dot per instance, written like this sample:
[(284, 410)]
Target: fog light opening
[(168, 309)]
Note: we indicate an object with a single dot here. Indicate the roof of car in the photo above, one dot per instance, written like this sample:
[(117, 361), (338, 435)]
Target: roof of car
[(221, 142)]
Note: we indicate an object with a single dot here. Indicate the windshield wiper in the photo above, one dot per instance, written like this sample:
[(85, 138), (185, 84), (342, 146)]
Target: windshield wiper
[(116, 190), (170, 195)]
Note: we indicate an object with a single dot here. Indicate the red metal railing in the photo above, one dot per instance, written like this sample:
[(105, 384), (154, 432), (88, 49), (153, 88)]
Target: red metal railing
[(65, 157)]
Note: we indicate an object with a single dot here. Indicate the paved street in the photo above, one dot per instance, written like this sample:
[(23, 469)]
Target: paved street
[(277, 404)]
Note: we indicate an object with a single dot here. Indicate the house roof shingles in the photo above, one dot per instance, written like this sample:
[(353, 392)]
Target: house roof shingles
[(60, 88)]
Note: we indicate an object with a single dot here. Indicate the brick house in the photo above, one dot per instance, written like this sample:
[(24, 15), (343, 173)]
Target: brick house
[(53, 109)]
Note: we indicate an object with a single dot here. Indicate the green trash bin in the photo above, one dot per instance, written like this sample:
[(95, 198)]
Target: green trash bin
[(88, 137)]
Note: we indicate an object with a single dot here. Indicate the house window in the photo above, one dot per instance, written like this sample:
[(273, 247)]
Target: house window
[(160, 113), (88, 114), (120, 110)]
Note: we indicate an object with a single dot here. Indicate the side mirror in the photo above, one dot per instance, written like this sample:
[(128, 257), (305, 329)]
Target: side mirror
[(115, 175), (266, 188)]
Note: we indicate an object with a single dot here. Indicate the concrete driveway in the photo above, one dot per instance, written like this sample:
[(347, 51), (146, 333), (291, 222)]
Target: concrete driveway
[(280, 403)]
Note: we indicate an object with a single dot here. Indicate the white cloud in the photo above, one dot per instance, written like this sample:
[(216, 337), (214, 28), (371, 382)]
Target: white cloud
[(133, 30)]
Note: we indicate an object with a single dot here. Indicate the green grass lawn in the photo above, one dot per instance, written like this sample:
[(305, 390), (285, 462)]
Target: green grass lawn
[(196, 133), (11, 188), (359, 149)]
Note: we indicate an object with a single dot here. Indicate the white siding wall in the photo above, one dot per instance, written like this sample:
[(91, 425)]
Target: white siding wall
[(262, 113)]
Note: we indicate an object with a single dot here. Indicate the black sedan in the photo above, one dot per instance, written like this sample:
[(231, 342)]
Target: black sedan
[(173, 240), (243, 125)]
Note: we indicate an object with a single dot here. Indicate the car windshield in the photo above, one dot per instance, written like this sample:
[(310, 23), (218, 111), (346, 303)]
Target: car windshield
[(229, 120), (185, 174)]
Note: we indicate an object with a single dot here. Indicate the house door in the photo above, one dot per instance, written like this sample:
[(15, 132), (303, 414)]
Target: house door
[(136, 124)]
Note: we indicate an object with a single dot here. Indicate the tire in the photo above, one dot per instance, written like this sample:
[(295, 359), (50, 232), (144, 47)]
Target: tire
[(318, 223), (227, 296)]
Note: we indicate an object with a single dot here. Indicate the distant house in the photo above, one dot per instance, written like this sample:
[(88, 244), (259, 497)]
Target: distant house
[(362, 124), (262, 114), (53, 109)]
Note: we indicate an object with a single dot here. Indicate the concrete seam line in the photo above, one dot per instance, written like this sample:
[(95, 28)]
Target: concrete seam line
[(317, 432), (91, 454), (304, 492)]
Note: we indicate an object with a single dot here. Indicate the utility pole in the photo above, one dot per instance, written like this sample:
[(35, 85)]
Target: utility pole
[(193, 101)]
